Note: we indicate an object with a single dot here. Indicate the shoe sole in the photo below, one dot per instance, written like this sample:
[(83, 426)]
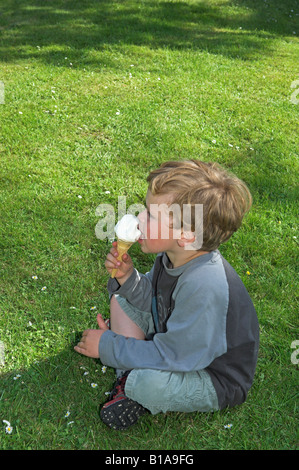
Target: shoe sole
[(122, 415)]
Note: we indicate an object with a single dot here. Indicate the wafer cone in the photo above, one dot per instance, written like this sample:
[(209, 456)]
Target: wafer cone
[(122, 248)]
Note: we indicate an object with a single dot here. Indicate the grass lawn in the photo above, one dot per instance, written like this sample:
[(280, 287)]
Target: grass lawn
[(96, 94)]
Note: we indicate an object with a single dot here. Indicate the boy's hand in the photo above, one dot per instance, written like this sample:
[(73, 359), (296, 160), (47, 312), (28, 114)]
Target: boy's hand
[(124, 267), (89, 343)]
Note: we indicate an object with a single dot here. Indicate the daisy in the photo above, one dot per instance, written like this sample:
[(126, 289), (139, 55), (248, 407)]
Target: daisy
[(67, 414), (94, 385), (8, 428), (104, 368), (34, 277), (43, 288), (228, 426)]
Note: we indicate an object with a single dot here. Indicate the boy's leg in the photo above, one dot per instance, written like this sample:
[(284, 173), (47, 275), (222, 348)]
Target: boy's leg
[(121, 323), (162, 391), (120, 411)]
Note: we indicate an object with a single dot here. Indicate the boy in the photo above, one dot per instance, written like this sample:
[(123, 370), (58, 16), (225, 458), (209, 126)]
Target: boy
[(184, 337)]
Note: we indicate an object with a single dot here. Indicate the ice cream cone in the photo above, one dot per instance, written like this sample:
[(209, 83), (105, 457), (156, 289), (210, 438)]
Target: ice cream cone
[(122, 248)]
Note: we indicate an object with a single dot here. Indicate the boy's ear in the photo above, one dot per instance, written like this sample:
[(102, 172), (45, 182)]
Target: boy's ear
[(187, 237)]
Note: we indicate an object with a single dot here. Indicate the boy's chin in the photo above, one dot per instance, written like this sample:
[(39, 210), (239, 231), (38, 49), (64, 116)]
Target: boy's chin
[(145, 248)]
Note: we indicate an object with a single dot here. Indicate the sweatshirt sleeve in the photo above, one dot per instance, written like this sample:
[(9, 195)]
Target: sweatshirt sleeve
[(137, 290), (195, 336)]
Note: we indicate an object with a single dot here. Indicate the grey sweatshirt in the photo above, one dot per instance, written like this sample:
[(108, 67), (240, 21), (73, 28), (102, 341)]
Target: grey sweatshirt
[(204, 319)]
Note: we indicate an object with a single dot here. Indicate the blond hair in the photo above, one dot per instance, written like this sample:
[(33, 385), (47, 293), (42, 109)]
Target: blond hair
[(225, 198)]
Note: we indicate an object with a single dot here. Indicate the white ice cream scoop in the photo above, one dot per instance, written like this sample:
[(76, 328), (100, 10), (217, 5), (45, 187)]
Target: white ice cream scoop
[(127, 228)]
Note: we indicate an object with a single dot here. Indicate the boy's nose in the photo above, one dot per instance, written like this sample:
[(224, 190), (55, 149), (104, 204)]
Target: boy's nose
[(141, 217), (142, 220)]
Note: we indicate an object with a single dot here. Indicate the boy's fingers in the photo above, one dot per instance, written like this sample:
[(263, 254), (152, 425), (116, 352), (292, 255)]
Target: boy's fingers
[(101, 322), (113, 250), (110, 257), (79, 347), (111, 266), (81, 350)]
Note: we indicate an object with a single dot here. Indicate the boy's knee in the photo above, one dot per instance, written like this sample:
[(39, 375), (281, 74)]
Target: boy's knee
[(147, 386)]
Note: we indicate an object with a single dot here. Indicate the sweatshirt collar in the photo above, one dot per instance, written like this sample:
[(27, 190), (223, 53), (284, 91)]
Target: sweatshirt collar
[(200, 260)]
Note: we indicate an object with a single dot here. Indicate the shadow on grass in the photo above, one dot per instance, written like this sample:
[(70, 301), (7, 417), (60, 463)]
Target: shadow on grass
[(234, 29), (55, 402)]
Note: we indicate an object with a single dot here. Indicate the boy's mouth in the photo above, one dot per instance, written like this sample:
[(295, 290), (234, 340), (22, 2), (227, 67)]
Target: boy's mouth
[(141, 238)]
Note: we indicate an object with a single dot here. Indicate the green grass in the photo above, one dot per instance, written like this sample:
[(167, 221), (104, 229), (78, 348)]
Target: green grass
[(188, 79)]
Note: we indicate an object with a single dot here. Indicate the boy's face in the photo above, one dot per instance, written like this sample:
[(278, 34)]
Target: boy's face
[(155, 225)]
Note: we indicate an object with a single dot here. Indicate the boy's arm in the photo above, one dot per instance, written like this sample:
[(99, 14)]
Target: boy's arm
[(128, 282), (195, 334), (137, 289)]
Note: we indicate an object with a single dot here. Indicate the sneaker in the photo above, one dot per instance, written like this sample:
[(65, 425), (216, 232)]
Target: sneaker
[(120, 412)]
